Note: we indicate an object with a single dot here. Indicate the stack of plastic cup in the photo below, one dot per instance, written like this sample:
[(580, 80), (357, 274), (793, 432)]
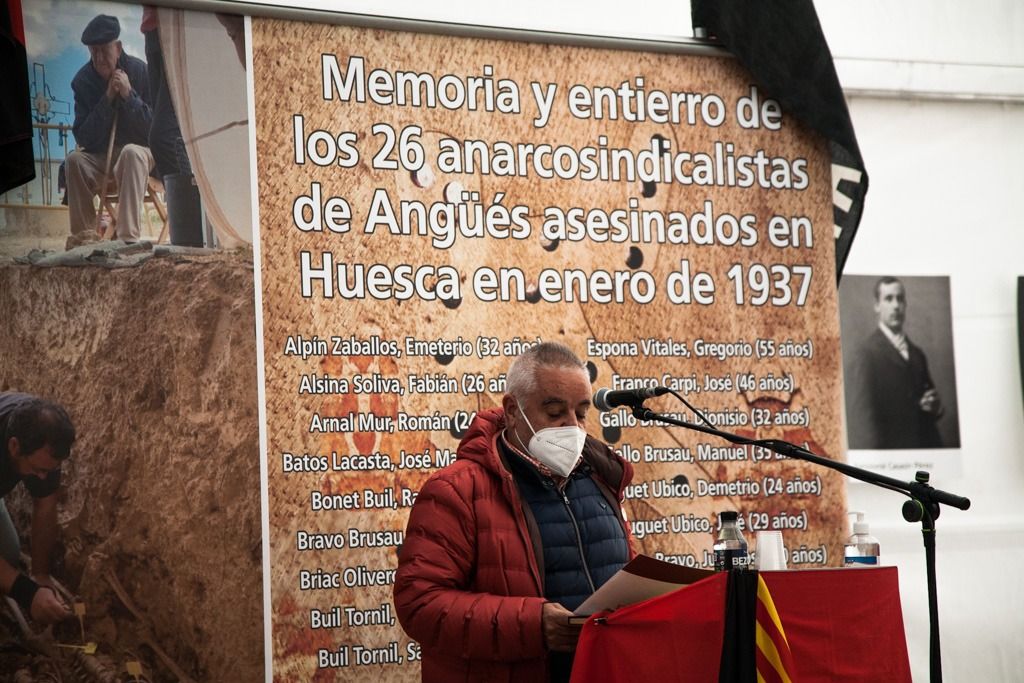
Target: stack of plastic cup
[(770, 554)]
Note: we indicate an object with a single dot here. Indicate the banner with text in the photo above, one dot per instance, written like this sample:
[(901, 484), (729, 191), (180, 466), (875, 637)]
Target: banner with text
[(430, 206)]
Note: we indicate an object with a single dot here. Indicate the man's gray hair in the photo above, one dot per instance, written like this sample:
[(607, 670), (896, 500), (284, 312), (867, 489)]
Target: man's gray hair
[(522, 376)]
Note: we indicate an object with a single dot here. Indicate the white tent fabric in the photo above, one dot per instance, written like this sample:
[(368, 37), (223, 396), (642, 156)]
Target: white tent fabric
[(207, 85)]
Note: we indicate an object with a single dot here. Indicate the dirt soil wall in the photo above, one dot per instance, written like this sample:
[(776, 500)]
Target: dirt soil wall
[(156, 366)]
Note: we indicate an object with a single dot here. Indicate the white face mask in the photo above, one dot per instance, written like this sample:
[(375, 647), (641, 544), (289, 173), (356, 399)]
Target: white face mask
[(559, 448)]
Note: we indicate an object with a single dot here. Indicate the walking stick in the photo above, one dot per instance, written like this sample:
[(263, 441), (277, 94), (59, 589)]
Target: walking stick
[(106, 177)]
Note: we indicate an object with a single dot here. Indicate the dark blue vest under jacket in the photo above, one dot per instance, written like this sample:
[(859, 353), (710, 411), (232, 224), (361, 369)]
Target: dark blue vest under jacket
[(581, 531)]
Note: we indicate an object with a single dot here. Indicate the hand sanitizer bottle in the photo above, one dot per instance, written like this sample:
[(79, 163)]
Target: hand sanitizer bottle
[(861, 549)]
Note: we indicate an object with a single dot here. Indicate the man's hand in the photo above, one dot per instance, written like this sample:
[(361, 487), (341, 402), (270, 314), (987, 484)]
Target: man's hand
[(119, 85), (931, 404), (559, 635), (47, 607)]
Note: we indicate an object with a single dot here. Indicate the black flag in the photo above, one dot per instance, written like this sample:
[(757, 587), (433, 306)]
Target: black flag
[(781, 44), (739, 662), (16, 164)]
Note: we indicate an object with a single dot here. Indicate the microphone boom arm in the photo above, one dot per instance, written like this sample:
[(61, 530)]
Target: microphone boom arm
[(916, 489)]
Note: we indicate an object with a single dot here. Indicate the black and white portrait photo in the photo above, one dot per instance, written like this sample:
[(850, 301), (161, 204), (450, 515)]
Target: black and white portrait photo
[(898, 368)]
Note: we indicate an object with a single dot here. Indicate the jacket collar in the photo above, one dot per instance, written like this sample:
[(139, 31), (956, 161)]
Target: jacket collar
[(480, 445)]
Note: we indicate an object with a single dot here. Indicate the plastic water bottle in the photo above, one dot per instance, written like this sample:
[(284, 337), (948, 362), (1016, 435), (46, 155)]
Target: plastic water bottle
[(861, 549), (730, 548)]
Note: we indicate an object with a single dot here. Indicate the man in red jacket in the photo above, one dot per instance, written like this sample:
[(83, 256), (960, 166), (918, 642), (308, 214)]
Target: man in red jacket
[(504, 543)]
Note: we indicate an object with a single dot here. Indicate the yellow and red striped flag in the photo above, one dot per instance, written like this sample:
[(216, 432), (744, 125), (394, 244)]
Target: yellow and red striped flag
[(774, 659)]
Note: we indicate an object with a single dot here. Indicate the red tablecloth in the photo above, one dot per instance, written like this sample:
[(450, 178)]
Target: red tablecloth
[(842, 625)]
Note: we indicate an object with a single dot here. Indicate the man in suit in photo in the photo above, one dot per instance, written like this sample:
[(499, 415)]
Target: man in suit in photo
[(891, 399)]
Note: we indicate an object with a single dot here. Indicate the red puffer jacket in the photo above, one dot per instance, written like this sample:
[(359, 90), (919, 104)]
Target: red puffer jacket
[(468, 585)]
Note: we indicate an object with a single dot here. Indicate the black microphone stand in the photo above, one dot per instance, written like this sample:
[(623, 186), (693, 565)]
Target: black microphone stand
[(923, 505)]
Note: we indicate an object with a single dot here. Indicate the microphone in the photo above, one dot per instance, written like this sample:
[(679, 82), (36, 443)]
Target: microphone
[(606, 399)]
